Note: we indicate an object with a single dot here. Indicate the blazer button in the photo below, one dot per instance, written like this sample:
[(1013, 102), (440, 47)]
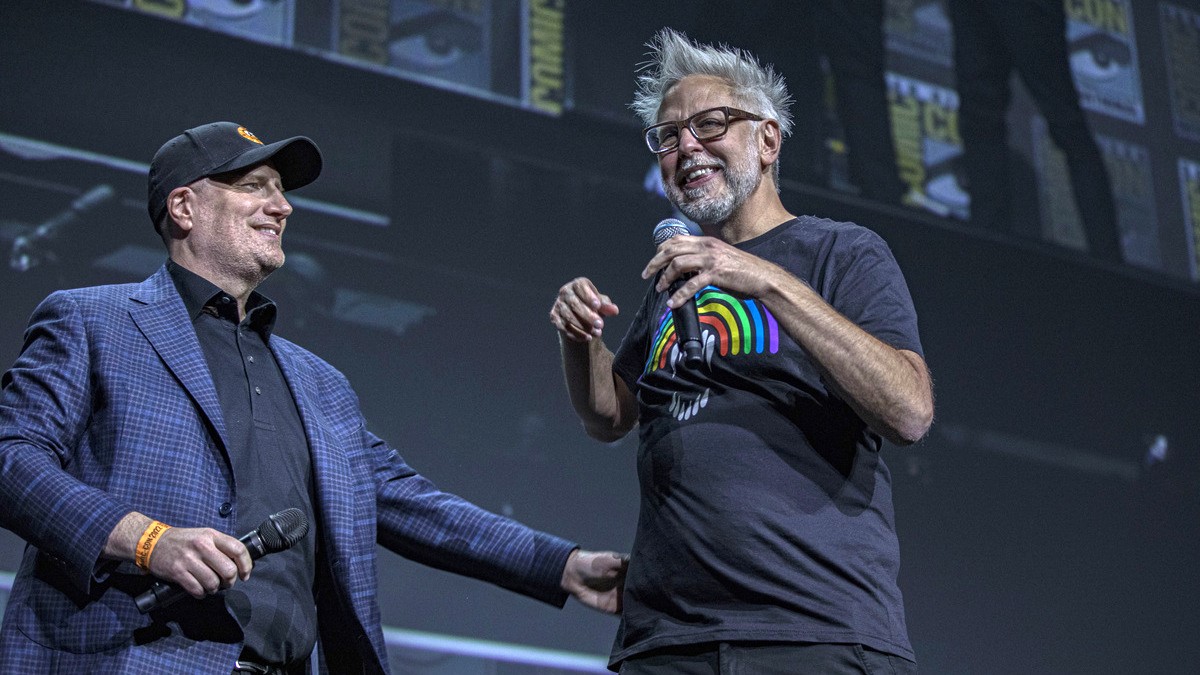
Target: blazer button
[(226, 509)]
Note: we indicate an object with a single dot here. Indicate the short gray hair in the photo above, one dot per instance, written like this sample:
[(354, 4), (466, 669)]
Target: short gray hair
[(673, 57)]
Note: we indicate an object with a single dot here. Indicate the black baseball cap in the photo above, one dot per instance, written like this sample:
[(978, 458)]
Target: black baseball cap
[(218, 147)]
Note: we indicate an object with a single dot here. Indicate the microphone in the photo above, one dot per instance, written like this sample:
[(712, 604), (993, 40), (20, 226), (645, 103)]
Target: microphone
[(278, 532), (30, 249), (687, 322)]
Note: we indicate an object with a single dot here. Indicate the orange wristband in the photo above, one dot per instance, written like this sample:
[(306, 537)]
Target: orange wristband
[(145, 545)]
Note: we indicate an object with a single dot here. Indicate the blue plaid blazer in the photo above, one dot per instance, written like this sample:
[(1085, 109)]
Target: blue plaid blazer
[(110, 408)]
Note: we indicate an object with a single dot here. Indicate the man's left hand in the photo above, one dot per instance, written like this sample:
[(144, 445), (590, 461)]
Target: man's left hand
[(597, 579)]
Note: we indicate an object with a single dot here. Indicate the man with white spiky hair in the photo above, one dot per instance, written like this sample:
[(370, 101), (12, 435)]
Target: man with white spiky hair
[(766, 540)]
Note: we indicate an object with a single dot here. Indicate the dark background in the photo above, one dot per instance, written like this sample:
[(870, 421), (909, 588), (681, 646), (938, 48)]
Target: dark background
[(1036, 535)]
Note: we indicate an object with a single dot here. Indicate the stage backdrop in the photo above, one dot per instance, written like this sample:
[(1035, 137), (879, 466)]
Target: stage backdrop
[(479, 154)]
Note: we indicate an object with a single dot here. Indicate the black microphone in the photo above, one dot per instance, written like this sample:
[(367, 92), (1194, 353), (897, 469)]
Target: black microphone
[(30, 249), (687, 322), (278, 532)]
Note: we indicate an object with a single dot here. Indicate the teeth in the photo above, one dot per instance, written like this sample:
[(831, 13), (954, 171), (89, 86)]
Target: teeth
[(693, 175)]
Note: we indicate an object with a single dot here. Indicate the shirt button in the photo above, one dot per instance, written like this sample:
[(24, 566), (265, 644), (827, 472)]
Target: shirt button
[(258, 390), (224, 299), (225, 510), (251, 359)]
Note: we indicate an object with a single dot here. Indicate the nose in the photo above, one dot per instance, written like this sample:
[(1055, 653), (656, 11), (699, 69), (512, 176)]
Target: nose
[(688, 143), (277, 204)]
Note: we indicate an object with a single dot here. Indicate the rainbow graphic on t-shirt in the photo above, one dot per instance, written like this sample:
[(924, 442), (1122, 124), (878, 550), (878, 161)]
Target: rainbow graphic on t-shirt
[(739, 327)]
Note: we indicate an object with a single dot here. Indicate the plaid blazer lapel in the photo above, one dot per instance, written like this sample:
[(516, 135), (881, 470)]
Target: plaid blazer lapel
[(345, 519), (331, 468), (160, 315)]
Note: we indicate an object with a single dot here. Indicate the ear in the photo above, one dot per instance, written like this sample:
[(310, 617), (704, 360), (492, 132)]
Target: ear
[(770, 138), (181, 204)]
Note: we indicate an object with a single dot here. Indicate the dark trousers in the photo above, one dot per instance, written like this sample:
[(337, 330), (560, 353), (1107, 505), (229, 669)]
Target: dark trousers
[(768, 658), (992, 39), (793, 36), (849, 34)]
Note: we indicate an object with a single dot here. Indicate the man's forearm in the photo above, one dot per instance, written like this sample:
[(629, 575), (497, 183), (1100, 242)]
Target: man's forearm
[(600, 399), (889, 388)]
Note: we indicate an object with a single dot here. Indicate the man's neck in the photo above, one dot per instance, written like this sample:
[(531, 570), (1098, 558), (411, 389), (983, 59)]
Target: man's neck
[(759, 215), (238, 289)]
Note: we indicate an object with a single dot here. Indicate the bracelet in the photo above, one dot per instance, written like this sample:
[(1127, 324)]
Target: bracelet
[(145, 545)]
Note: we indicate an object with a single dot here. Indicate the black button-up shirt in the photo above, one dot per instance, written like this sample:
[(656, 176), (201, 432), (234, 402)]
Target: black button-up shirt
[(272, 468)]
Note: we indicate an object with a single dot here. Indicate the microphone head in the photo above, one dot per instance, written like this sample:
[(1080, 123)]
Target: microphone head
[(282, 530), (667, 228)]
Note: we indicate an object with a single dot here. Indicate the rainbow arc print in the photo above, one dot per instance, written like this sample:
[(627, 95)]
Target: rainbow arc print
[(738, 327)]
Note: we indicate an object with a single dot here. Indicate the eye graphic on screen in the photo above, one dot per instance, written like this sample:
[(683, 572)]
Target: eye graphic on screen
[(434, 40), (1100, 57), (227, 9)]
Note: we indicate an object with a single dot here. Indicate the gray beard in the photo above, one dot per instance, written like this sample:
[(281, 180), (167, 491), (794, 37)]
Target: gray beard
[(739, 185)]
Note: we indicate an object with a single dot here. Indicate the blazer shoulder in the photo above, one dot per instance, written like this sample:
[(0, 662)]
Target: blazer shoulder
[(90, 301), (101, 294), (153, 288)]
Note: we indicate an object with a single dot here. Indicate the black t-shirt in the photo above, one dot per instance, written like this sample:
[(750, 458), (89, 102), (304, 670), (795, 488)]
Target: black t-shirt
[(766, 510)]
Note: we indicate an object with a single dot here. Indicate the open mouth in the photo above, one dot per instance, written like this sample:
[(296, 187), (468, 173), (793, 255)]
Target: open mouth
[(693, 176), (697, 175)]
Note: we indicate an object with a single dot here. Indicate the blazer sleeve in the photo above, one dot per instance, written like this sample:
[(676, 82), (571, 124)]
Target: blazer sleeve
[(369, 495), (425, 524), (45, 408)]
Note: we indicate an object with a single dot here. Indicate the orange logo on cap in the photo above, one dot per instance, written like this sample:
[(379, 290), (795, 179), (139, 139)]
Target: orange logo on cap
[(245, 133)]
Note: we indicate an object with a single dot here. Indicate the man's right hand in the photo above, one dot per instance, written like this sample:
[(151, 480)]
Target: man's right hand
[(200, 560), (579, 310)]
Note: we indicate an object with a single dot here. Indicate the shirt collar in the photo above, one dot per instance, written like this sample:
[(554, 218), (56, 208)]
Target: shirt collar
[(200, 295)]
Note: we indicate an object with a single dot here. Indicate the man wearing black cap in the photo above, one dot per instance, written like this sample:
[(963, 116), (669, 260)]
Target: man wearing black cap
[(145, 426)]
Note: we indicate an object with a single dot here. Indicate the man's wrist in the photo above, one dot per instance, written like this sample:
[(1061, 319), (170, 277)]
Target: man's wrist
[(147, 542), (567, 576), (123, 540)]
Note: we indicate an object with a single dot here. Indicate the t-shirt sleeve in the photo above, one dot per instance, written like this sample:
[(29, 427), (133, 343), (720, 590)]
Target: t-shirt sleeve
[(632, 353), (870, 291)]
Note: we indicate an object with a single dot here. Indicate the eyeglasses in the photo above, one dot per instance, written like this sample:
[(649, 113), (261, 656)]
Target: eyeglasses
[(706, 125)]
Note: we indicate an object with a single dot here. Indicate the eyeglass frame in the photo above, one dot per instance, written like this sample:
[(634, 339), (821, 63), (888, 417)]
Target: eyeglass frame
[(731, 114)]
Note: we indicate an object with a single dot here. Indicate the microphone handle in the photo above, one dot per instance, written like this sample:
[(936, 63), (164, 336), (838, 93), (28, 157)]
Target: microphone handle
[(161, 594), (687, 327)]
